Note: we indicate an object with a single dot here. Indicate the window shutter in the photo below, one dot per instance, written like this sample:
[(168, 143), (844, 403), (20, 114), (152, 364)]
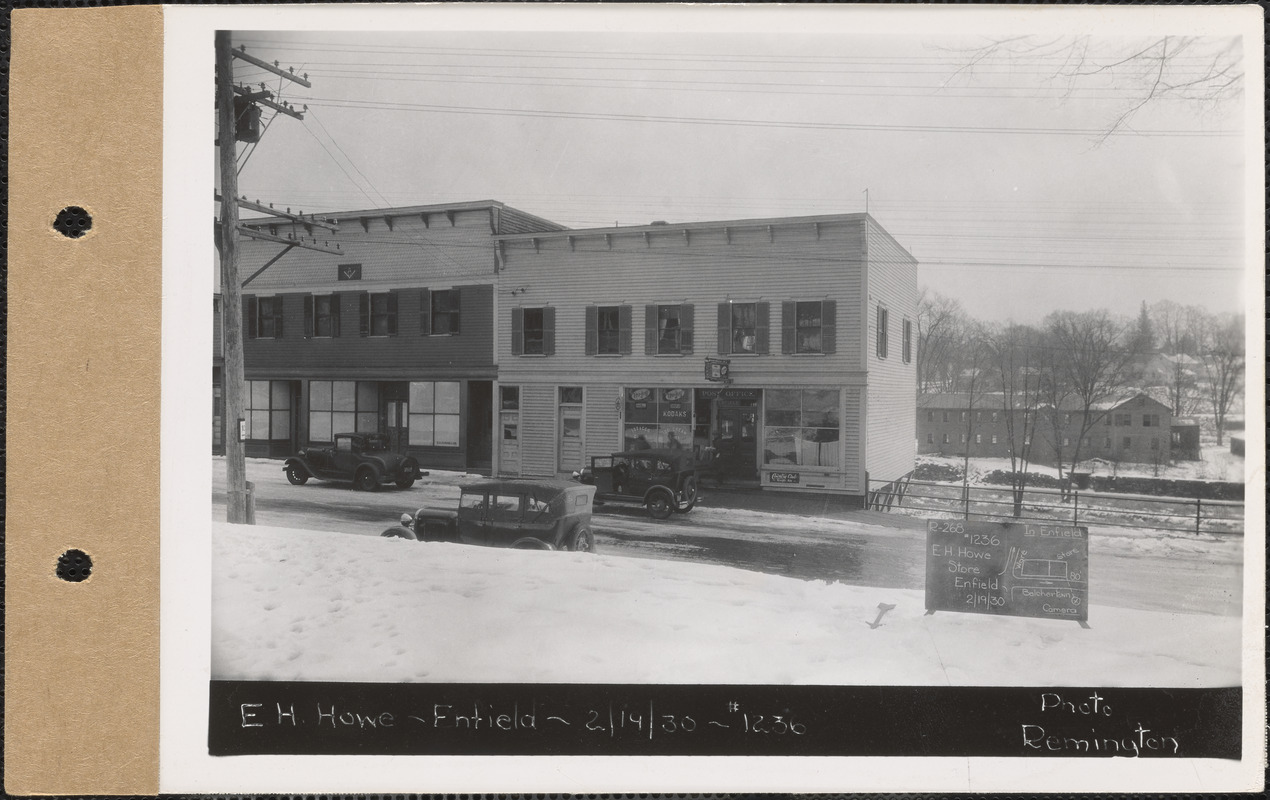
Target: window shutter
[(685, 329), (592, 330), (278, 303), (763, 314), (829, 326), (725, 328), (518, 331), (549, 331), (624, 330), (249, 315), (363, 311), (392, 313), (337, 310), (425, 312), (788, 323), (456, 298), (650, 330), (308, 316)]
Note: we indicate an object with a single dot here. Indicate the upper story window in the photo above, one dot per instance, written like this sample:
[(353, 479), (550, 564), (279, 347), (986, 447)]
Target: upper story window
[(884, 322), (533, 331), (668, 329), (263, 317), (908, 341), (378, 314), (445, 312), (807, 326), (1150, 420), (743, 327), (608, 330), (1124, 420), (322, 316)]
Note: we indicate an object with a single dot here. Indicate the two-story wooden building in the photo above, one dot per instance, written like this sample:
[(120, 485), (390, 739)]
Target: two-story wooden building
[(1133, 428), (603, 337), (394, 335)]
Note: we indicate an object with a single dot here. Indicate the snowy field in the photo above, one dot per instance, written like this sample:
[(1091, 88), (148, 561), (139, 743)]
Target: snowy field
[(1216, 463), (313, 605)]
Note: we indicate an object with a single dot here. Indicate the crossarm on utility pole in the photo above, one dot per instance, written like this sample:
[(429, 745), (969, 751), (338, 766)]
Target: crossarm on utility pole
[(275, 69)]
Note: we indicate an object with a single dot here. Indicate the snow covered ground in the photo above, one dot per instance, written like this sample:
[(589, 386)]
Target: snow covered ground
[(1216, 463), (317, 605)]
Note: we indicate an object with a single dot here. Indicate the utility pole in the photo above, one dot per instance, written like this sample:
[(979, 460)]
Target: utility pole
[(229, 230), (231, 287)]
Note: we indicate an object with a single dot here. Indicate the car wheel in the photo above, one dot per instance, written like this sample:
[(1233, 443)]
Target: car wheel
[(689, 494), (406, 483), (661, 505), (366, 480), (297, 475), (581, 541)]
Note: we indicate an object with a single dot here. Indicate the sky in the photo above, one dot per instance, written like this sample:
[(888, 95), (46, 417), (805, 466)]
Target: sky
[(994, 169)]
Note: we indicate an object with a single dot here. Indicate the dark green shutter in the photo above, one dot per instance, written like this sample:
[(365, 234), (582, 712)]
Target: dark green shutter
[(392, 313), (725, 328), (685, 329), (789, 342), (829, 326), (425, 312), (363, 311), (624, 330), (308, 316), (549, 331), (337, 311), (278, 303), (456, 300), (762, 325), (592, 330), (518, 331), (650, 330)]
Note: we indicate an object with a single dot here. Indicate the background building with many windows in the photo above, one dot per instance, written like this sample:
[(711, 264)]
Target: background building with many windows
[(393, 336), (603, 337)]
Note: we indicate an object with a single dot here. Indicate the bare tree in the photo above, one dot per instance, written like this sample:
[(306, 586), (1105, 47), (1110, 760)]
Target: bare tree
[(1173, 324), (1013, 350), (1201, 70), (941, 339), (1091, 357), (1222, 354)]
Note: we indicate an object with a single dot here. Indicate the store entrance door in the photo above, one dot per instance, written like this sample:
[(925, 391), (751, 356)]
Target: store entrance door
[(729, 417), (397, 424)]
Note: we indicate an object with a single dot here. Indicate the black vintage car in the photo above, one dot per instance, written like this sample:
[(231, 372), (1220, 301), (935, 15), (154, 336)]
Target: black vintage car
[(525, 514), (663, 481), (361, 458)]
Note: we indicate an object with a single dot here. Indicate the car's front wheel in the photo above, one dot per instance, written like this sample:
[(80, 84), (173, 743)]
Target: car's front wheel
[(689, 493), (660, 504), (297, 475), (581, 541), (367, 481)]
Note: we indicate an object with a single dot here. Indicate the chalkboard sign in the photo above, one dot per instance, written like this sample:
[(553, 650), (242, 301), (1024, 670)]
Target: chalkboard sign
[(1016, 569)]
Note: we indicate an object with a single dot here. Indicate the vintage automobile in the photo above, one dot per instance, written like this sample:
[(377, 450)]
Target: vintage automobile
[(663, 481), (526, 514), (362, 458)]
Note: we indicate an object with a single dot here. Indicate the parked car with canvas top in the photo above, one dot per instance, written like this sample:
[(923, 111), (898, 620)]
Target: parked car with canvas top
[(663, 481), (362, 459), (526, 514)]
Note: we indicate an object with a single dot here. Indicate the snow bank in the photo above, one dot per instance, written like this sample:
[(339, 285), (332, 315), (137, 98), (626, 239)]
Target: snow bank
[(309, 605)]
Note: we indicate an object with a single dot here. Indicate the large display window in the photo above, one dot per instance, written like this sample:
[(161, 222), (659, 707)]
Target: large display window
[(802, 427), (658, 418)]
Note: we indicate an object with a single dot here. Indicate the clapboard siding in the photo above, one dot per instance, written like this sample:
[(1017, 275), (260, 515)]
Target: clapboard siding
[(853, 435), (603, 427), (891, 429), (513, 220), (703, 268), (468, 353), (537, 430)]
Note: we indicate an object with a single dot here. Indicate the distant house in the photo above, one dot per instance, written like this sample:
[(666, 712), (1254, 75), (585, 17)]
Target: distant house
[(1135, 428), (1184, 444)]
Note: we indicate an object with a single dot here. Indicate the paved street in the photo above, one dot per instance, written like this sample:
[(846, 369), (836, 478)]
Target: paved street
[(854, 547)]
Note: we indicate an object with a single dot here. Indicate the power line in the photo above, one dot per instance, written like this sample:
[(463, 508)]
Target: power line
[(753, 123)]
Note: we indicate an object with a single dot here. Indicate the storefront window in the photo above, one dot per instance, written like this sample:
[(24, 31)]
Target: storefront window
[(803, 427), (658, 418), (268, 410), (342, 407), (434, 413)]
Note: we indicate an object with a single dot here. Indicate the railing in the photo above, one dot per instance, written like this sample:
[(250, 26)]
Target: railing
[(1002, 503)]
